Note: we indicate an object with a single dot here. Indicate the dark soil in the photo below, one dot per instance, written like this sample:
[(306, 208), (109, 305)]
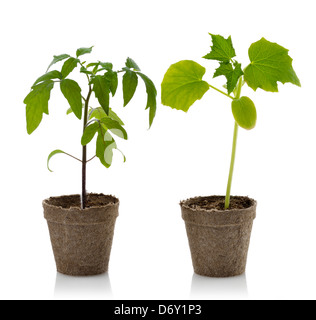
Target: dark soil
[(218, 203), (73, 201)]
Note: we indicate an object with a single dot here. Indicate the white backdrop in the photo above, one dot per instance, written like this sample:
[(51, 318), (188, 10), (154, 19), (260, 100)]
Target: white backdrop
[(181, 156)]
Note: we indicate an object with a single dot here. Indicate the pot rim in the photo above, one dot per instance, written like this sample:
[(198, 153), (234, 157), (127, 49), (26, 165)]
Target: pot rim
[(75, 208), (185, 203), (76, 216), (215, 217)]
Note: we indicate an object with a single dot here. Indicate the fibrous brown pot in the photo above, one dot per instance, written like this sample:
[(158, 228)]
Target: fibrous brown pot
[(219, 239), (81, 239)]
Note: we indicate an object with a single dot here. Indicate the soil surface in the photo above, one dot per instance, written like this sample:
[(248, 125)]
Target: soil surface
[(218, 203), (73, 201)]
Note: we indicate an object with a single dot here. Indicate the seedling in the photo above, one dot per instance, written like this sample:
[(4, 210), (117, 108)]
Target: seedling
[(102, 80), (269, 63)]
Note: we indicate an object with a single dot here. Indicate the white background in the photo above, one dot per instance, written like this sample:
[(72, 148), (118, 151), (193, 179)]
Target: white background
[(181, 156)]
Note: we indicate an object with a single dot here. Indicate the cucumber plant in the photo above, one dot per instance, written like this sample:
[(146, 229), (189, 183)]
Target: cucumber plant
[(270, 63), (102, 80)]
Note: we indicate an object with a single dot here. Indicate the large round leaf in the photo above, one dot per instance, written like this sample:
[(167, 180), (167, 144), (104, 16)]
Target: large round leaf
[(183, 85)]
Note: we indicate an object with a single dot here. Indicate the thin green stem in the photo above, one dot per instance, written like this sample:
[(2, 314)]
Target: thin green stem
[(233, 155), (222, 92), (231, 170)]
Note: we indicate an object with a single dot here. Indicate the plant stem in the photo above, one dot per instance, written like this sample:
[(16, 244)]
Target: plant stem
[(233, 155), (84, 153), (222, 92), (231, 170), (72, 156)]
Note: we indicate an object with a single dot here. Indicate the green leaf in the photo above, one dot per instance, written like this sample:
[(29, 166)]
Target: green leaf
[(99, 113), (57, 59), (37, 104), (68, 66), (231, 73), (270, 63), (82, 51), (114, 127), (114, 116), (89, 133), (72, 92), (244, 112), (151, 97), (106, 65), (130, 63), (86, 71), (222, 49), (101, 88), (69, 111), (100, 148), (130, 82), (111, 77), (93, 64), (183, 85), (104, 147), (51, 155), (48, 76)]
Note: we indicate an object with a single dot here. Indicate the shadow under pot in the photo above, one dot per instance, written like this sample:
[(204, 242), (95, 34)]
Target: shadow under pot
[(81, 239), (219, 239)]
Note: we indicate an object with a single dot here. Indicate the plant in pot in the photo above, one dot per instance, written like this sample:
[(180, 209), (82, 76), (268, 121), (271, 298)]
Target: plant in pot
[(219, 227), (81, 227)]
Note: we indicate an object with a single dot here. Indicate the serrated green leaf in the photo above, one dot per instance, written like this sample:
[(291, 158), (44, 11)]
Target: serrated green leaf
[(244, 112), (68, 66), (182, 85), (130, 82), (89, 133), (130, 63), (270, 63), (231, 73), (51, 155), (57, 59), (48, 76), (72, 92), (114, 127), (101, 88), (151, 97), (222, 49), (82, 51), (37, 104)]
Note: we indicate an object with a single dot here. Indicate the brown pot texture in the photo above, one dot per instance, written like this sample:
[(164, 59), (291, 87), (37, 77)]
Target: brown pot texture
[(219, 239), (81, 239)]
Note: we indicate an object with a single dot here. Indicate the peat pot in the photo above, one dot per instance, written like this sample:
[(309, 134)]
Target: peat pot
[(219, 239), (81, 239)]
